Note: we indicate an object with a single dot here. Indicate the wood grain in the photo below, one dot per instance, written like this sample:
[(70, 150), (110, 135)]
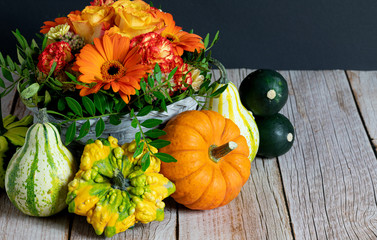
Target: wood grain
[(259, 211), (330, 174), (364, 87)]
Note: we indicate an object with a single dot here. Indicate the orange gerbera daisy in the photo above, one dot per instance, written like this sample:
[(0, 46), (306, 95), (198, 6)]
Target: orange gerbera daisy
[(181, 40), (110, 62)]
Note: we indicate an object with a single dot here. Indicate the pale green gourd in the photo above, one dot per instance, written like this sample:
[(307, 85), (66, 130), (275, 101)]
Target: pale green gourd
[(38, 174), (228, 104)]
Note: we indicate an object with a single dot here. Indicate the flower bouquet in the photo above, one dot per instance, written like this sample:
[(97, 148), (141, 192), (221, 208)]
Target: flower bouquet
[(109, 64), (116, 68)]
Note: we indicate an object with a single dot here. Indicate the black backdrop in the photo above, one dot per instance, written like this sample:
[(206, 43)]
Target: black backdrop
[(285, 34)]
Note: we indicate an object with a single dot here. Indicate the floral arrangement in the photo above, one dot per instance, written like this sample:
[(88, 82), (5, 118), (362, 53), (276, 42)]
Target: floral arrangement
[(110, 59)]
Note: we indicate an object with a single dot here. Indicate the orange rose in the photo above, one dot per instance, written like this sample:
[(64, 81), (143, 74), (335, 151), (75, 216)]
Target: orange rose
[(134, 18), (92, 22)]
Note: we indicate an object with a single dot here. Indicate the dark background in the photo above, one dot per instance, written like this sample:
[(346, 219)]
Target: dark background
[(282, 35)]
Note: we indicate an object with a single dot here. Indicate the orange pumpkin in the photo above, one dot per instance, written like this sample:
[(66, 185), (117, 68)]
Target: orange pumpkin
[(212, 159)]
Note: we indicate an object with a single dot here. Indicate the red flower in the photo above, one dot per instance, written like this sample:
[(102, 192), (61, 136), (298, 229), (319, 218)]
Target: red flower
[(59, 52), (155, 49)]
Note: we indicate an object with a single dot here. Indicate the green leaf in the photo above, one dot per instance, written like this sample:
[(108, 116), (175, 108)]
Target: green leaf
[(163, 105), (157, 73), (2, 60), (159, 95), (134, 123), (150, 82), (52, 69), (2, 84), (219, 91), (21, 40), (114, 120), (10, 64), (145, 161), (155, 133), (84, 130), (206, 41), (148, 98), (20, 58), (119, 106), (150, 123), (70, 134), (30, 91), (74, 105), (137, 137), (61, 104), (171, 74), (100, 126), (159, 143), (100, 102), (145, 110), (143, 85), (139, 149), (44, 43), (47, 98), (89, 105), (165, 157)]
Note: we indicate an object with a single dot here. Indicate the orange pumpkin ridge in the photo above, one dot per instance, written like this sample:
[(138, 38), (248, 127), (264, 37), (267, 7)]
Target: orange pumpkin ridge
[(202, 183)]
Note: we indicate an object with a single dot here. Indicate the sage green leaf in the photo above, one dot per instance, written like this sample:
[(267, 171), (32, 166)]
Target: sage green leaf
[(10, 64), (150, 123), (84, 130), (145, 111), (171, 74), (70, 134), (100, 126), (2, 60), (145, 161), (89, 105), (30, 91), (74, 106), (159, 143), (2, 84), (165, 157)]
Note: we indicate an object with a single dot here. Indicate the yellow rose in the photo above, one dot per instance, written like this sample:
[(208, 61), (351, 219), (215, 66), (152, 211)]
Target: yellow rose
[(92, 22), (133, 18)]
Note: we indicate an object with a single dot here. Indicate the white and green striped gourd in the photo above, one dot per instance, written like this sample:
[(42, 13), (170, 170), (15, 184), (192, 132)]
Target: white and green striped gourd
[(38, 174), (228, 104)]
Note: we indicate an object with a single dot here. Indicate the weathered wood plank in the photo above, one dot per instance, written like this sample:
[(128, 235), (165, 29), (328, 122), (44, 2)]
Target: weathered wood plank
[(329, 176), (259, 212), (164, 230), (364, 87), (13, 223)]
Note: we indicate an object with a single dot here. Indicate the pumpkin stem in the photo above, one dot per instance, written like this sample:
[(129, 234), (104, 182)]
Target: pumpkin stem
[(223, 75), (118, 181), (216, 153), (42, 116)]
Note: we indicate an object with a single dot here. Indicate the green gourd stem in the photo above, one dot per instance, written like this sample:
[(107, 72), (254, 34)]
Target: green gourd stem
[(42, 116), (2, 128), (216, 153), (223, 74), (119, 182)]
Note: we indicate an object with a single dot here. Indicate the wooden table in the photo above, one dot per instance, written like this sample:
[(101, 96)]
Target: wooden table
[(323, 188)]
